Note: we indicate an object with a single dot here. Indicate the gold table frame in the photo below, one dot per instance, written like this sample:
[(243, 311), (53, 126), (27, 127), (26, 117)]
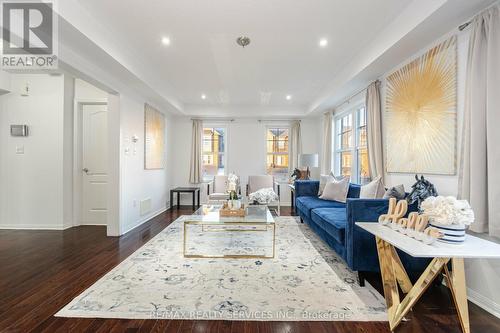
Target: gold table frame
[(222, 228), (394, 274)]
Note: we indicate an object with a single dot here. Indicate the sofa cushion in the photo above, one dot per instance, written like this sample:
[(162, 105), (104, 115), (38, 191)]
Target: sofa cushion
[(332, 220), (305, 204), (336, 190), (354, 190)]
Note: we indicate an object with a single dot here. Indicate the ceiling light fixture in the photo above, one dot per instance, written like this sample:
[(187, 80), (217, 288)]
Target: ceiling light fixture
[(288, 97), (243, 41), (165, 41), (203, 96), (323, 42)]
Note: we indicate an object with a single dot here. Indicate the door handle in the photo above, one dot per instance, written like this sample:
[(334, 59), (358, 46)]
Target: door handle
[(85, 170)]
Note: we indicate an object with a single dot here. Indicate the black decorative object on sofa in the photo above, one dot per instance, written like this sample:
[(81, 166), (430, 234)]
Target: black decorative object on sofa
[(421, 190)]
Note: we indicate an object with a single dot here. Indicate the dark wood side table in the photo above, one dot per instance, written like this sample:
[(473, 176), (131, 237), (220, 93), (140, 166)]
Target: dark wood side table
[(292, 195), (194, 190)]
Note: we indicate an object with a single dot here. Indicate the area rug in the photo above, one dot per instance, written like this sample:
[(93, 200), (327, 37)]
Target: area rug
[(306, 281)]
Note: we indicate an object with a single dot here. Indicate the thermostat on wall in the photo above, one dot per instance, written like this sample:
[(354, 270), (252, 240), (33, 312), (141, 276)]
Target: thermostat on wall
[(19, 130)]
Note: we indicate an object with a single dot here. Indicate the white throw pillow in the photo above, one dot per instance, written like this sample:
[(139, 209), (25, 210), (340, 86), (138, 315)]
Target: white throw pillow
[(263, 196), (373, 190), (336, 190), (323, 180)]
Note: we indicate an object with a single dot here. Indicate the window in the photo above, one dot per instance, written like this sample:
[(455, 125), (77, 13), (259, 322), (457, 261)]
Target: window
[(350, 148), (214, 151), (277, 151)]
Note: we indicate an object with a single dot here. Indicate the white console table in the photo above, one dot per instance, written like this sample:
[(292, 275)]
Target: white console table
[(393, 272)]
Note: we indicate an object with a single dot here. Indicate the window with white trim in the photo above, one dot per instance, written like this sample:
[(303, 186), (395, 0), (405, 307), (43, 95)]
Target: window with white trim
[(350, 147), (214, 151), (277, 151)]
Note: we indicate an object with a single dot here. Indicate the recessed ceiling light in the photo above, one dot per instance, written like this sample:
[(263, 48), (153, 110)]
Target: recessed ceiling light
[(165, 41), (203, 96), (288, 97), (323, 42)]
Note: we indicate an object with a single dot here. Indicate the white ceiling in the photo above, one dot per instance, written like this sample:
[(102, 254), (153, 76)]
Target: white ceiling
[(283, 59)]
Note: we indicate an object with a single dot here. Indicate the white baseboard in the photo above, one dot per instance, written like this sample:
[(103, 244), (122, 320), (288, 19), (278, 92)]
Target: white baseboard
[(484, 302), (33, 227), (145, 219), (92, 224)]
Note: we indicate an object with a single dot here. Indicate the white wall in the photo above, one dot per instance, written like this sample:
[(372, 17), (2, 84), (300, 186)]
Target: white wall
[(4, 83), (246, 149), (85, 91), (137, 183), (31, 182)]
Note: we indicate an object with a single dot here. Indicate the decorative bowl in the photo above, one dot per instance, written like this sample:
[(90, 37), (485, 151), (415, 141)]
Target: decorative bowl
[(453, 233)]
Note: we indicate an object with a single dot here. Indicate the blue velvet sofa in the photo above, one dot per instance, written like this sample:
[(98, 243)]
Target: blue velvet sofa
[(335, 221)]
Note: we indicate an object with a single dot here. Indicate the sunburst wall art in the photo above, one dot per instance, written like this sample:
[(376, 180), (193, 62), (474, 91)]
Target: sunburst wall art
[(421, 111), (154, 143)]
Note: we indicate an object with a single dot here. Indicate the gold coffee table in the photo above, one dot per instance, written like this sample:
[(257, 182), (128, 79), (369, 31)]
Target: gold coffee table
[(206, 220)]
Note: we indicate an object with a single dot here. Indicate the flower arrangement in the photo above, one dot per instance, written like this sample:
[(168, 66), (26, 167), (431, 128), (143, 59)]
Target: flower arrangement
[(448, 211), (232, 182), (232, 185)]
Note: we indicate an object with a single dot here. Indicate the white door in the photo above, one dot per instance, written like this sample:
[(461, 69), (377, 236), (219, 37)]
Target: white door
[(94, 164)]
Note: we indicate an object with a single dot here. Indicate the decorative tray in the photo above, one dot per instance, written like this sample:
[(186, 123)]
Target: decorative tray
[(225, 211)]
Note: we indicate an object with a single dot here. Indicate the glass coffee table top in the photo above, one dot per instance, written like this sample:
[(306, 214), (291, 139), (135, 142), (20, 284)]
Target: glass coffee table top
[(254, 214), (208, 235)]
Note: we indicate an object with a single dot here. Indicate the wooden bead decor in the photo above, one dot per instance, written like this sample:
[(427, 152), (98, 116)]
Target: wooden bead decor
[(396, 211), (412, 220), (421, 223), (415, 225), (433, 232)]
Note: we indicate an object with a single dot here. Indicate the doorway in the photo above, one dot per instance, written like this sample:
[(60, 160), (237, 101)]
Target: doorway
[(94, 164), (91, 167)]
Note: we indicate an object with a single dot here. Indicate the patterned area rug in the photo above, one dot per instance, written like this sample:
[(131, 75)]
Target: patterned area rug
[(305, 281)]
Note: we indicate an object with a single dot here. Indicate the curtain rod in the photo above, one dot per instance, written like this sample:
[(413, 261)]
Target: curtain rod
[(354, 95), (461, 27), (213, 119), (347, 100), (270, 120), (232, 119)]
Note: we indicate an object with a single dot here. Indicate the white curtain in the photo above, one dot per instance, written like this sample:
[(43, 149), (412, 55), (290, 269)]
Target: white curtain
[(479, 179), (295, 145), (195, 171), (326, 154), (374, 130)]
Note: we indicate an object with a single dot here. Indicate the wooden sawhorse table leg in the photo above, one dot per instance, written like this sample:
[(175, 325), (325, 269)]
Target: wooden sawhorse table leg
[(393, 273)]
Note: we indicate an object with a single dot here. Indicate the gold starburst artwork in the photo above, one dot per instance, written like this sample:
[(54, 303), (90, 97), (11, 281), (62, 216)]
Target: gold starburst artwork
[(421, 113)]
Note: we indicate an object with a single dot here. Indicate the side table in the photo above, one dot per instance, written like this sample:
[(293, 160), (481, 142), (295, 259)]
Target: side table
[(394, 274), (178, 190)]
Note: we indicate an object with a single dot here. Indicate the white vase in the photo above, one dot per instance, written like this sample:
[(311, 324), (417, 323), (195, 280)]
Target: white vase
[(237, 204), (453, 233)]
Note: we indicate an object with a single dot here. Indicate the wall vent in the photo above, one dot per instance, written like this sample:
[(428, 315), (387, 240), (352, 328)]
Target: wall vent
[(145, 206)]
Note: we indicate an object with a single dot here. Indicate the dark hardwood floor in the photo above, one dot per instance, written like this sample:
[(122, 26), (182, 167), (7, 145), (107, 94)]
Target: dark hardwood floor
[(41, 271)]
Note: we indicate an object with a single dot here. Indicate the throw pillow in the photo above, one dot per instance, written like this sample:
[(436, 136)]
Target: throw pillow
[(263, 196), (323, 180), (336, 190), (397, 192), (373, 190)]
